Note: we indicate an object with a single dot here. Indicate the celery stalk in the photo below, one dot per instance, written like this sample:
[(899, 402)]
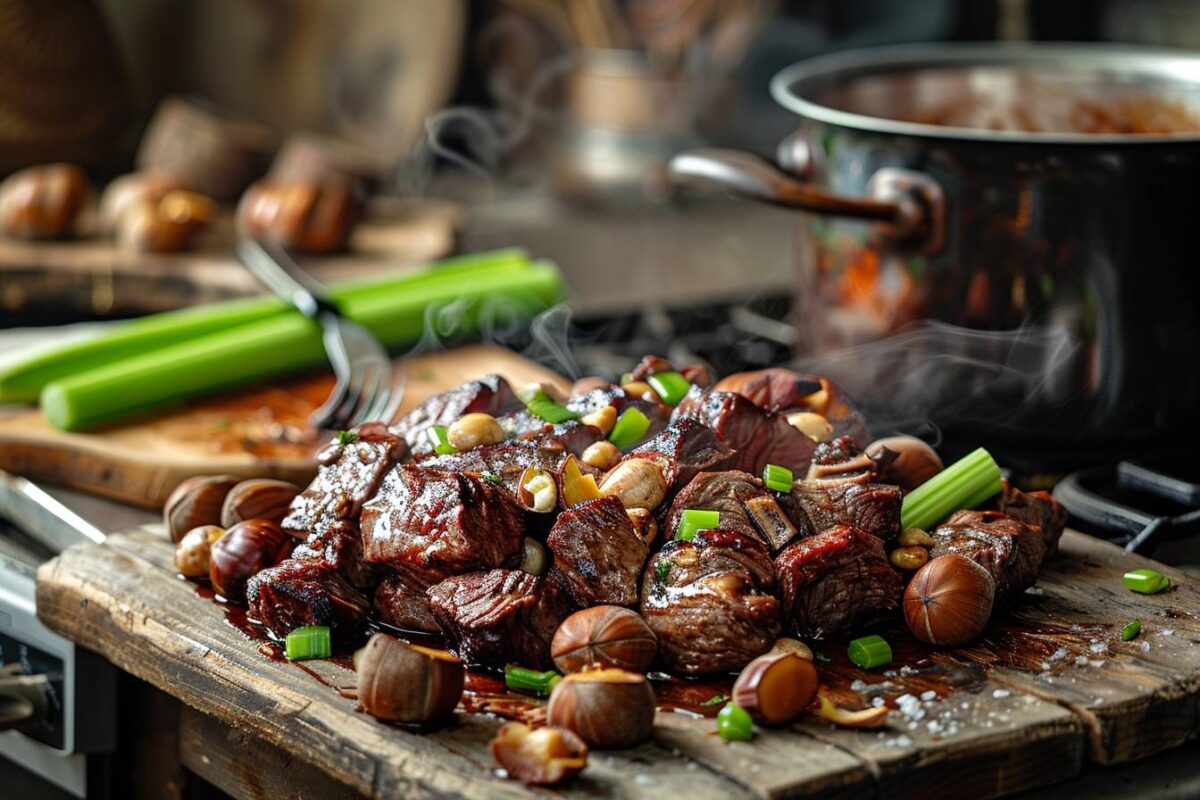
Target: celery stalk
[(964, 484), (22, 381), (279, 345)]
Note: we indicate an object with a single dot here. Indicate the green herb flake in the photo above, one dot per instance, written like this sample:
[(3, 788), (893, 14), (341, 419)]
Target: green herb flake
[(491, 477), (715, 700), (1131, 630), (662, 570), (347, 437), (819, 655)]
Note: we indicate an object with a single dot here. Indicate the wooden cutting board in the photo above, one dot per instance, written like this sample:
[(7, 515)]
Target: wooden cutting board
[(1048, 688), (255, 433)]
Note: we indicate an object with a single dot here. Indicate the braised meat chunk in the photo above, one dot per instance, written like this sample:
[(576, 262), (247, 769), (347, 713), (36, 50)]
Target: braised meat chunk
[(499, 617), (340, 546), (836, 582), (401, 600), (815, 506), (348, 475), (598, 555), (757, 437), (1035, 508), (782, 391), (709, 602), (744, 504), (430, 519), (683, 449), (299, 592), (1007, 548), (490, 394)]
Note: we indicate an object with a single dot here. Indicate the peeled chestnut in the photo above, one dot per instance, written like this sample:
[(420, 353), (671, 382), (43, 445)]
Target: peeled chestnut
[(949, 600), (245, 550), (776, 688), (258, 498), (195, 502), (608, 708), (44, 202), (401, 682), (300, 215), (541, 757), (604, 637), (915, 461), (193, 554)]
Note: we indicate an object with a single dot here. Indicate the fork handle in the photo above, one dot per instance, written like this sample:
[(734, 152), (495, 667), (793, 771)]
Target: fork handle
[(271, 264)]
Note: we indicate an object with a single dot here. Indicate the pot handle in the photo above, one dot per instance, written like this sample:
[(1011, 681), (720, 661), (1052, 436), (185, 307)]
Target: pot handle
[(908, 208)]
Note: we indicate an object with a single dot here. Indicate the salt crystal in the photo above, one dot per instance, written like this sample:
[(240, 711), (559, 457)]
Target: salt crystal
[(1059, 654), (1097, 662), (907, 670), (1035, 591), (1081, 660), (964, 705), (692, 765), (1145, 646), (1001, 693), (1098, 647), (643, 779), (1045, 666), (899, 741), (912, 726), (858, 685), (876, 702), (933, 726), (929, 695), (1167, 632)]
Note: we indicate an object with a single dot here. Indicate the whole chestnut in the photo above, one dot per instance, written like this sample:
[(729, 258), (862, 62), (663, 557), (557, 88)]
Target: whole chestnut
[(306, 216), (604, 637), (195, 502), (258, 498), (193, 554), (541, 757), (126, 191), (401, 682), (245, 550), (607, 708), (913, 463), (776, 688), (44, 202), (167, 225), (949, 600)]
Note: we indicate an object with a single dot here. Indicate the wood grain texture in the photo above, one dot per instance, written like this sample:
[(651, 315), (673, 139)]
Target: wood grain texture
[(1015, 725), (256, 433)]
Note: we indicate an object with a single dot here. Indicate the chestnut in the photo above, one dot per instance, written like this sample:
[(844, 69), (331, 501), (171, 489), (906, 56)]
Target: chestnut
[(787, 645), (196, 501), (949, 600), (401, 682), (604, 637), (44, 202), (607, 708), (259, 498), (194, 551), (541, 757), (127, 191), (245, 550), (637, 481), (776, 688), (864, 719), (306, 216), (914, 463)]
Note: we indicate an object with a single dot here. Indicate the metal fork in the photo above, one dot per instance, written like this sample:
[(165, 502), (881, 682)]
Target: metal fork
[(364, 388)]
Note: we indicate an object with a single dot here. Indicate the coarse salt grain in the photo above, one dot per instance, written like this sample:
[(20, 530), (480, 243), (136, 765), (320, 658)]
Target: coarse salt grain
[(1001, 693), (1081, 660), (1059, 654), (929, 695)]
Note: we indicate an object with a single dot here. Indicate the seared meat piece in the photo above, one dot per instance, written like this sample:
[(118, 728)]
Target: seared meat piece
[(1009, 549), (430, 519), (572, 436), (835, 582), (683, 449), (347, 477), (401, 600), (598, 555), (490, 394), (757, 437), (340, 546), (1035, 508), (499, 617), (744, 503), (816, 506), (299, 592), (709, 602), (507, 459), (782, 390)]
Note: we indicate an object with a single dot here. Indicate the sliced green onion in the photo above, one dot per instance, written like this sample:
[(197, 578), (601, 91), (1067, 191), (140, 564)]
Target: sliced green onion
[(1131, 629), (694, 519), (538, 403), (530, 681), (734, 724), (311, 641), (1146, 581), (662, 570), (777, 478), (347, 437), (440, 440), (964, 484), (715, 700), (669, 386), (491, 477), (870, 652), (630, 428)]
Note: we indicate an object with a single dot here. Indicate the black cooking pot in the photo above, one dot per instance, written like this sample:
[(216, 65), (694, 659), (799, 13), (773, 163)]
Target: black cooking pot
[(1002, 237)]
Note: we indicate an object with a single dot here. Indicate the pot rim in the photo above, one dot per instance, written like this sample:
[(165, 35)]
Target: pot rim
[(790, 85)]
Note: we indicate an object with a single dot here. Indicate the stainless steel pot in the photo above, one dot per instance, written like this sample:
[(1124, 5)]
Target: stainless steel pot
[(1002, 271)]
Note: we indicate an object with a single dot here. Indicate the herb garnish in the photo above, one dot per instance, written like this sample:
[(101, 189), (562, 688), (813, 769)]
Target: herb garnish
[(347, 437)]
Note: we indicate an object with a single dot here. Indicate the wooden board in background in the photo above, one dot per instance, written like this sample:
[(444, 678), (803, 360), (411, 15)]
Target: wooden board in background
[(257, 433), (1017, 725)]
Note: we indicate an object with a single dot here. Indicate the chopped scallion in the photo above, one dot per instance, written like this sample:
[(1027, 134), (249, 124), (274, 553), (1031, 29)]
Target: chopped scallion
[(777, 478), (1146, 581), (662, 570), (538, 403), (311, 641), (964, 484), (630, 428), (669, 386), (530, 681), (1131, 630), (440, 440), (870, 652), (693, 520), (715, 700), (734, 724), (347, 437), (491, 477)]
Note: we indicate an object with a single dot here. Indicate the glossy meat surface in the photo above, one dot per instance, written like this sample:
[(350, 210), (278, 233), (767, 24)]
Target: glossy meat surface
[(598, 555), (299, 592), (491, 394), (1009, 549)]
